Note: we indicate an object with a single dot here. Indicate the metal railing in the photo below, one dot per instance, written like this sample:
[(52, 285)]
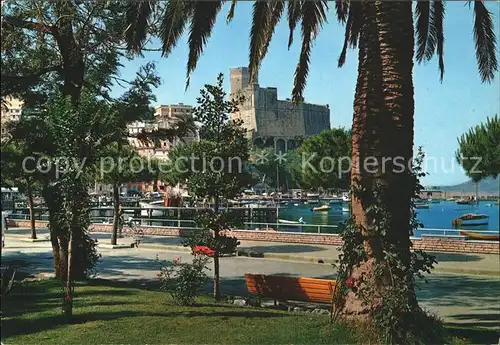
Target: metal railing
[(176, 221)]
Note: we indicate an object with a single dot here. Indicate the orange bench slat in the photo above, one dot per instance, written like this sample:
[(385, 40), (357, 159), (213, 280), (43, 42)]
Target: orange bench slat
[(300, 289)]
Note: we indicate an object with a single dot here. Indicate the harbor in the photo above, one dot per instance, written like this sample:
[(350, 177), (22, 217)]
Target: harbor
[(308, 216)]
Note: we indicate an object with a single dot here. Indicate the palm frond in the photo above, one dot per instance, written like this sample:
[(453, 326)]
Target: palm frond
[(422, 10), (260, 22), (438, 22), (485, 41), (276, 12), (177, 14), (352, 30), (294, 10), (313, 17), (202, 23), (136, 16), (431, 42), (355, 11), (230, 14), (341, 9)]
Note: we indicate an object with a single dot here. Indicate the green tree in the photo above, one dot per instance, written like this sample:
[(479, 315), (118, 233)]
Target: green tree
[(213, 166), (384, 98), (326, 158), (121, 164), (72, 139), (62, 45), (479, 151), (16, 172)]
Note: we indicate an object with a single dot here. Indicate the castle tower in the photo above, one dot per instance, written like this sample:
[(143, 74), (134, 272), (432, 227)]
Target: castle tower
[(240, 78)]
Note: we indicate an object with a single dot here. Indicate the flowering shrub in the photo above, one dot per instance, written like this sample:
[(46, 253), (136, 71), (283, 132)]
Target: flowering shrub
[(184, 280), (203, 250), (349, 282)]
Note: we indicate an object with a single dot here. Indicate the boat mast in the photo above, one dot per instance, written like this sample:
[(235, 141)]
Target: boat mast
[(277, 191)]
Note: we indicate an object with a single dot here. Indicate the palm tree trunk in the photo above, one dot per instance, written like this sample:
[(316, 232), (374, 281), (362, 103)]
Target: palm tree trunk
[(382, 131), (116, 214), (31, 206)]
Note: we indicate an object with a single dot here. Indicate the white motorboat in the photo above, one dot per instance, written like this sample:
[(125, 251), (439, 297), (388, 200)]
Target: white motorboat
[(346, 197), (154, 204), (285, 221)]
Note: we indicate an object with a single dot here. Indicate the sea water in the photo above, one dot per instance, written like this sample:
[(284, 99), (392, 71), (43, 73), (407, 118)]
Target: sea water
[(437, 216)]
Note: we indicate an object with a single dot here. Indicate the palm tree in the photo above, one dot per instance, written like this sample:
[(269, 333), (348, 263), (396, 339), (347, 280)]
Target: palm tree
[(383, 121)]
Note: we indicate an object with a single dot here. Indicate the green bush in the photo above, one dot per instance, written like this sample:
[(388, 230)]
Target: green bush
[(184, 281)]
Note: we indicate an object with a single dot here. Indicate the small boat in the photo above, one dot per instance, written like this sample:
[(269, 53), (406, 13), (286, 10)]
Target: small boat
[(284, 221), (471, 219), (346, 208), (346, 197), (321, 208), (450, 199), (295, 204), (421, 204), (466, 202), (479, 236)]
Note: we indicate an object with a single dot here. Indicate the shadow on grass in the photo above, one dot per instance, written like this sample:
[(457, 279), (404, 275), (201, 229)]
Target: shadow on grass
[(472, 334), (455, 257), (42, 301)]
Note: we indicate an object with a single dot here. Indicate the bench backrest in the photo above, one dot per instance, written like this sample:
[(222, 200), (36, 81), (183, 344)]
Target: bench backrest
[(289, 288)]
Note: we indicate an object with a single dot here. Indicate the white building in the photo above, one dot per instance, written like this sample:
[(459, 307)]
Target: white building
[(11, 110)]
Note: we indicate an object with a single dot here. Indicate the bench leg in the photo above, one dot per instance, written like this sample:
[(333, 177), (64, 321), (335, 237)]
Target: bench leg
[(275, 303)]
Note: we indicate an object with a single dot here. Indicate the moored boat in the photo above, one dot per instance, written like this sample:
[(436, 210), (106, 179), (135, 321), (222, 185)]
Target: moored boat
[(321, 208), (421, 204), (480, 236), (346, 197), (346, 208), (285, 221), (466, 202), (471, 219)]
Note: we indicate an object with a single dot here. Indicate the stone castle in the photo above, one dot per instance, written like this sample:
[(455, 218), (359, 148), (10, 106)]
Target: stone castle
[(272, 122)]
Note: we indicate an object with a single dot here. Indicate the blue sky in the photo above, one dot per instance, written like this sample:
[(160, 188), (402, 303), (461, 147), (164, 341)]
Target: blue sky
[(443, 110)]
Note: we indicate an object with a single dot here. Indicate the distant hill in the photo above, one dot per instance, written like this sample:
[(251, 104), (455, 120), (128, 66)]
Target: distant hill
[(488, 185)]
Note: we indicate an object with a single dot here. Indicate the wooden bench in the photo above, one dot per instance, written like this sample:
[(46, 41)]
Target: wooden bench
[(281, 288)]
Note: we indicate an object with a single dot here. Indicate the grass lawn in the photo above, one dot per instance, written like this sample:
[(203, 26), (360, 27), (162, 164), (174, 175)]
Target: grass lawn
[(107, 313)]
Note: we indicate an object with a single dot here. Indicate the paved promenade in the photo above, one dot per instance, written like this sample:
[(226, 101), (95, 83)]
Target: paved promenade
[(458, 297)]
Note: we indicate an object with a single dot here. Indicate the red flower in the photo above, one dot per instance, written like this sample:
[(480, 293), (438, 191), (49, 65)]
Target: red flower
[(349, 282), (176, 261), (158, 275), (203, 250)]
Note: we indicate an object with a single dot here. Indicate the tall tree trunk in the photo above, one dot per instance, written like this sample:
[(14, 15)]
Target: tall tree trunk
[(216, 257), (68, 299), (31, 206), (73, 63), (383, 129), (116, 213)]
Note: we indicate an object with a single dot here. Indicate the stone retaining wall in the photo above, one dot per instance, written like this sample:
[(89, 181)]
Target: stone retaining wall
[(428, 243)]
